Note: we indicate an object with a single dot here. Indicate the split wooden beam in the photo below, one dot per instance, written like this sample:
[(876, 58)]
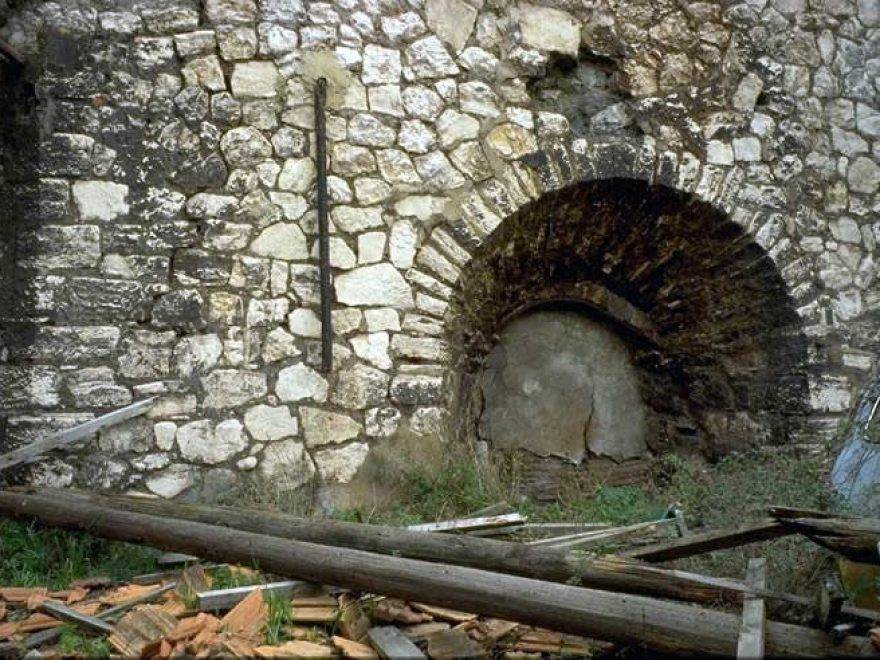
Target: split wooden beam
[(698, 543), (64, 613), (752, 634), (665, 626), (543, 563), (223, 599), (35, 450), (854, 538)]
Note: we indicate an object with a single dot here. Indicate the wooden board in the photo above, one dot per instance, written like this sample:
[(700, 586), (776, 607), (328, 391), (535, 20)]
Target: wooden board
[(751, 635), (35, 450), (389, 642)]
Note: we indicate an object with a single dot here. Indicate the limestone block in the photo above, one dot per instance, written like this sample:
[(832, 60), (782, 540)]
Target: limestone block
[(375, 285), (197, 354), (59, 247), (417, 389), (228, 388), (279, 345), (172, 481), (298, 175), (360, 386), (300, 382), (303, 322), (323, 428), (548, 29), (421, 102), (382, 422), (371, 247), (270, 423), (341, 464), (380, 65), (286, 465), (100, 200), (245, 146), (282, 240), (373, 348), (428, 58), (451, 20)]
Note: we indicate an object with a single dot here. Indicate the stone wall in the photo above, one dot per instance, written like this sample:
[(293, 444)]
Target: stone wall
[(159, 218)]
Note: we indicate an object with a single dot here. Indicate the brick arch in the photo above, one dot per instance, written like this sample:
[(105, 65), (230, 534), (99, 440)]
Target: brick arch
[(716, 396)]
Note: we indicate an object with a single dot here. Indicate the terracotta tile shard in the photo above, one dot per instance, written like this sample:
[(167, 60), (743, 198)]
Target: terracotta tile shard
[(422, 631), (21, 594), (298, 649), (302, 614), (2, 610), (392, 610), (352, 649), (248, 618), (445, 613), (190, 627), (489, 631), (144, 627), (126, 593), (239, 648)]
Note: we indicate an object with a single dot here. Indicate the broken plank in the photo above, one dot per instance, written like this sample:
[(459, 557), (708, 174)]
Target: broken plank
[(698, 543), (389, 642), (223, 599), (33, 451), (175, 559), (469, 524), (64, 613), (610, 535), (352, 649), (751, 636)]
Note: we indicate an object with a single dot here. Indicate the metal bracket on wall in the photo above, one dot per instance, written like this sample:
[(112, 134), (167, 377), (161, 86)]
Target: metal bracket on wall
[(323, 226)]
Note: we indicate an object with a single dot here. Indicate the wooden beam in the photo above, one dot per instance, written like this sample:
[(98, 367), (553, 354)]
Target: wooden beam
[(854, 538), (35, 450), (469, 524), (64, 613), (698, 543), (752, 633), (664, 626), (222, 599)]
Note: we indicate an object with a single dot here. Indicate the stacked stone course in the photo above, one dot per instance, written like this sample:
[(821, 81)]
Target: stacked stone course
[(161, 230)]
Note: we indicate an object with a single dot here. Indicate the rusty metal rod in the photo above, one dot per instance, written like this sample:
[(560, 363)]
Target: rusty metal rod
[(323, 226)]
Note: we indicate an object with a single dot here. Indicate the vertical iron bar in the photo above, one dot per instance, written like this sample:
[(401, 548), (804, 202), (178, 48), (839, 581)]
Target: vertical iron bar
[(323, 226)]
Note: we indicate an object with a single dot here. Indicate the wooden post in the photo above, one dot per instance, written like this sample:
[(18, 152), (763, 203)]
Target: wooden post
[(751, 635), (665, 626)]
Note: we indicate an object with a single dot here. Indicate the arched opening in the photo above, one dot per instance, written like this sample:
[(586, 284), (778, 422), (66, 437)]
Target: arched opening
[(617, 270)]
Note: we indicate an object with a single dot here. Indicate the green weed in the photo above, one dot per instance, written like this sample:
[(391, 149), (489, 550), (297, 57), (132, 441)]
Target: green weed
[(280, 614), (73, 643)]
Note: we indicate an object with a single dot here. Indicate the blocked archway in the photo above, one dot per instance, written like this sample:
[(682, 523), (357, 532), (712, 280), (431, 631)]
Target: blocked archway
[(706, 318)]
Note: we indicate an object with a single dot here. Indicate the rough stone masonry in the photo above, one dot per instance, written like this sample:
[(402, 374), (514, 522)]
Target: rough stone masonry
[(159, 223)]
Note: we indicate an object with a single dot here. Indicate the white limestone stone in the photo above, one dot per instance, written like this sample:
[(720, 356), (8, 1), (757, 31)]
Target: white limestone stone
[(382, 422), (341, 256), (197, 354), (279, 345), (346, 320), (300, 382), (245, 146), (511, 141), (476, 97), (286, 465), (548, 29), (351, 160), (403, 27), (438, 172), (202, 442), (270, 423), (266, 311), (228, 388), (360, 386), (354, 219), (298, 175), (403, 242), (386, 100), (454, 127), (100, 200), (416, 137), (422, 207), (283, 240), (303, 322), (172, 481), (371, 247), (323, 428), (374, 285), (341, 464), (428, 58), (165, 433), (451, 20), (367, 130), (255, 80), (381, 65), (373, 348), (370, 190), (292, 206), (421, 102), (396, 167), (385, 318)]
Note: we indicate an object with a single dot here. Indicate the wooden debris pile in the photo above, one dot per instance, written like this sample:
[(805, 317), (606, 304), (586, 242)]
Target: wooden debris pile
[(359, 591)]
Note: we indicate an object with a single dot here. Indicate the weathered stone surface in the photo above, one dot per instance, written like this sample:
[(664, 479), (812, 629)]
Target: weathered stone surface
[(323, 428), (417, 389), (183, 309), (279, 345), (268, 423), (104, 201), (60, 247), (172, 481), (245, 146), (428, 58), (380, 65), (863, 175), (341, 464), (377, 285), (452, 21), (299, 383), (202, 442), (360, 387), (511, 141), (286, 465), (281, 241), (550, 29), (382, 422), (298, 175), (255, 80), (228, 388), (197, 354)]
